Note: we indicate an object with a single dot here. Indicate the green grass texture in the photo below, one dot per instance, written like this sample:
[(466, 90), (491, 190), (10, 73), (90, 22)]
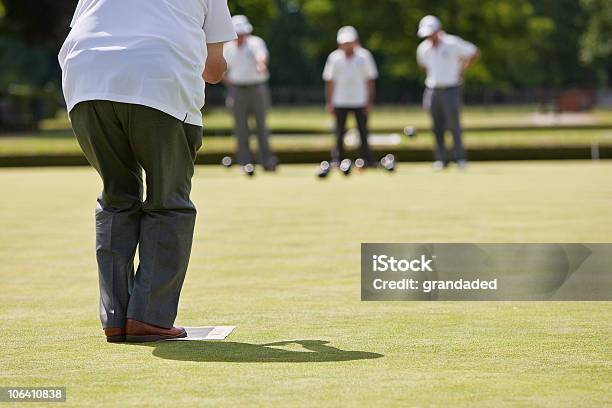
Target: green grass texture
[(278, 257)]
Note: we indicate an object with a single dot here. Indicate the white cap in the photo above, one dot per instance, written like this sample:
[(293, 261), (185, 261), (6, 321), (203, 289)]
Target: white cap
[(242, 25), (428, 25), (347, 34)]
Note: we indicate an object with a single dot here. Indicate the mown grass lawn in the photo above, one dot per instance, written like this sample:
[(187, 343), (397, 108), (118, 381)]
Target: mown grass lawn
[(56, 138), (64, 142), (316, 119), (278, 256)]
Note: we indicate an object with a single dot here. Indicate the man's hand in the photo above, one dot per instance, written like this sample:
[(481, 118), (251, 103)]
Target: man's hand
[(261, 67), (261, 63), (329, 107), (215, 66)]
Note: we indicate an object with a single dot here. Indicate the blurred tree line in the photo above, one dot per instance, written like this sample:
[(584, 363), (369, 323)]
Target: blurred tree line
[(525, 43), (31, 33)]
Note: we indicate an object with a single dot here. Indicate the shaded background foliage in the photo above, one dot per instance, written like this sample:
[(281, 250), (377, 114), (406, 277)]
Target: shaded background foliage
[(525, 44)]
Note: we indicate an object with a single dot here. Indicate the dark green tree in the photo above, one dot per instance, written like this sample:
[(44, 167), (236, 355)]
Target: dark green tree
[(596, 41), (31, 33), (503, 29), (558, 50), (524, 43)]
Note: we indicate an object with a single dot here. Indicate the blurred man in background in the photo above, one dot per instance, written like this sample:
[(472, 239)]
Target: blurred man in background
[(133, 77), (350, 82), (247, 79), (445, 58)]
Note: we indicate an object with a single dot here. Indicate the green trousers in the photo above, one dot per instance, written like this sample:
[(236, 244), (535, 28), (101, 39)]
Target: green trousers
[(120, 141)]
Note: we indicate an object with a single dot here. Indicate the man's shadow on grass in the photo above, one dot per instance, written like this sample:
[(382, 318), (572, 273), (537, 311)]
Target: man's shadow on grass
[(314, 351)]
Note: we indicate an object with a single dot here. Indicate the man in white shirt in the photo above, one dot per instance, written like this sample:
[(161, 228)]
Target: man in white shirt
[(247, 79), (133, 77), (445, 58), (350, 81)]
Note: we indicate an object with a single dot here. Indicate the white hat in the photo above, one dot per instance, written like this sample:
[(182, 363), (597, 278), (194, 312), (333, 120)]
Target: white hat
[(347, 34), (428, 25), (242, 25)]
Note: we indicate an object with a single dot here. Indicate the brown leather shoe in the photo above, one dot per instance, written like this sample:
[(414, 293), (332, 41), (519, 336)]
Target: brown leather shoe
[(139, 332), (115, 334)]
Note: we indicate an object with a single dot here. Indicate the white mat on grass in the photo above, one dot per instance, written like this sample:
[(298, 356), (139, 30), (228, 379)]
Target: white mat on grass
[(376, 139), (207, 333)]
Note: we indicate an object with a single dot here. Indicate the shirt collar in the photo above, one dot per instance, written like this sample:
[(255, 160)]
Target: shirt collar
[(443, 37)]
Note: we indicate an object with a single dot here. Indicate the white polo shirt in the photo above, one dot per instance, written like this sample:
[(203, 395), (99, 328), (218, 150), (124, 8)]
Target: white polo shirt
[(145, 52), (350, 77), (242, 61), (443, 63)]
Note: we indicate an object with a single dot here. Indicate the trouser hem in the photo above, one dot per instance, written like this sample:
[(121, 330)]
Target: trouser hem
[(163, 323)]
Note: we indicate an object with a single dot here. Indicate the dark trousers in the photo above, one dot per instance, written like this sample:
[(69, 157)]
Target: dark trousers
[(361, 117), (252, 100), (444, 105), (120, 140)]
